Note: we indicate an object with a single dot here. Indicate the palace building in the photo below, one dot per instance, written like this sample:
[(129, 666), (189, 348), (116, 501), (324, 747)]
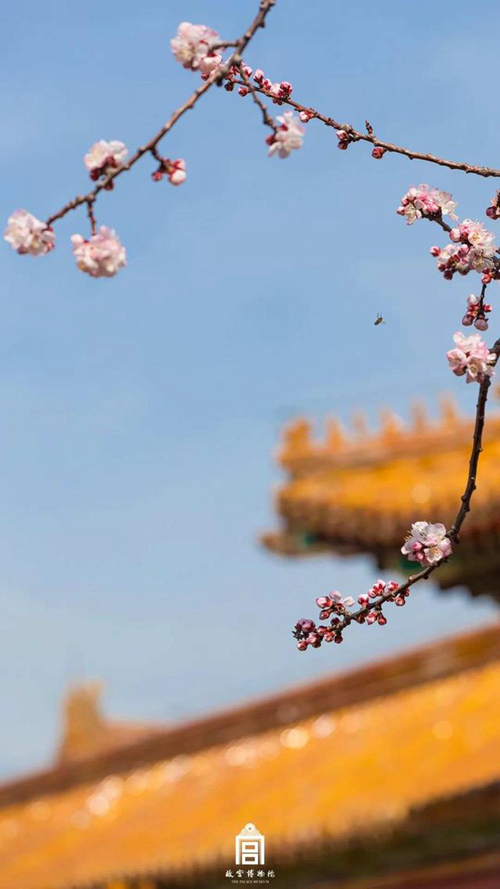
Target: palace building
[(385, 777), (382, 777), (359, 493)]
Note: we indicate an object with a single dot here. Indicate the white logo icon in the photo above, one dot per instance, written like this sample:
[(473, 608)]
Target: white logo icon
[(250, 846)]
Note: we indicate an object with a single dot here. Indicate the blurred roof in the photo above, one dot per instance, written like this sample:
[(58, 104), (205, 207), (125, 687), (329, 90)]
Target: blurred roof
[(360, 492), (355, 752)]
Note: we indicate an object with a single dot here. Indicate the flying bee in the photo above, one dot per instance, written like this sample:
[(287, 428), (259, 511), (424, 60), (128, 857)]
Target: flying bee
[(379, 320)]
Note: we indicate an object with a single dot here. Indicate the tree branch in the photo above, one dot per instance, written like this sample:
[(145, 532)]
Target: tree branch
[(360, 615), (357, 135)]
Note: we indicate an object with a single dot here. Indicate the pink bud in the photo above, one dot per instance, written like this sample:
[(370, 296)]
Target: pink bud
[(481, 324), (363, 600), (323, 601), (378, 152), (302, 645), (243, 91), (258, 76), (210, 63)]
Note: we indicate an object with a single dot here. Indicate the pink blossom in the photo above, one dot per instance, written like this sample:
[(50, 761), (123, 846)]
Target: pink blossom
[(192, 44), (102, 255), (104, 156), (27, 234), (422, 200), (427, 544), (471, 357), (288, 137)]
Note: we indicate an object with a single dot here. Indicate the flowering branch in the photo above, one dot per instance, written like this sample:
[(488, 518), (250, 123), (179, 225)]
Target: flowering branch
[(197, 48), (371, 611), (240, 45)]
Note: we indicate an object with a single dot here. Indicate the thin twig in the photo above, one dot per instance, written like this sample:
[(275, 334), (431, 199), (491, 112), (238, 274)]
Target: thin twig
[(387, 146), (267, 120), (90, 214)]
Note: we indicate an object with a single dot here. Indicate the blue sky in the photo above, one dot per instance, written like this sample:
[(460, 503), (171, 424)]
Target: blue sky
[(139, 414)]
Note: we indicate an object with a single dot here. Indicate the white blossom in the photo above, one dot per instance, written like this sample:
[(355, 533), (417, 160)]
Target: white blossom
[(104, 154), (288, 137), (102, 255), (27, 234)]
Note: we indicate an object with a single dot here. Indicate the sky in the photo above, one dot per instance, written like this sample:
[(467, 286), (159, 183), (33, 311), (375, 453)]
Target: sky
[(139, 414)]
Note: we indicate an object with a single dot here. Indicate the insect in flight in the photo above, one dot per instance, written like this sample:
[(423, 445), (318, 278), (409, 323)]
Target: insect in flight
[(379, 320)]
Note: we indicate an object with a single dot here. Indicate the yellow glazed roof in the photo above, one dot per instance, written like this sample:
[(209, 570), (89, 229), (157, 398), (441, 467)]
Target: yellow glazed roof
[(354, 498), (367, 489), (345, 769)]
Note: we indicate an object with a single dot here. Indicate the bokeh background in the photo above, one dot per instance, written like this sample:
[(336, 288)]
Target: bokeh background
[(139, 414)]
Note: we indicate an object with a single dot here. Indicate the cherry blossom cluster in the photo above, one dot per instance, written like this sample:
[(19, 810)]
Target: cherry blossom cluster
[(427, 543), (472, 358), (194, 46), (278, 91), (476, 312), (102, 255), (423, 201), (336, 609), (472, 250), (174, 170), (288, 133)]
